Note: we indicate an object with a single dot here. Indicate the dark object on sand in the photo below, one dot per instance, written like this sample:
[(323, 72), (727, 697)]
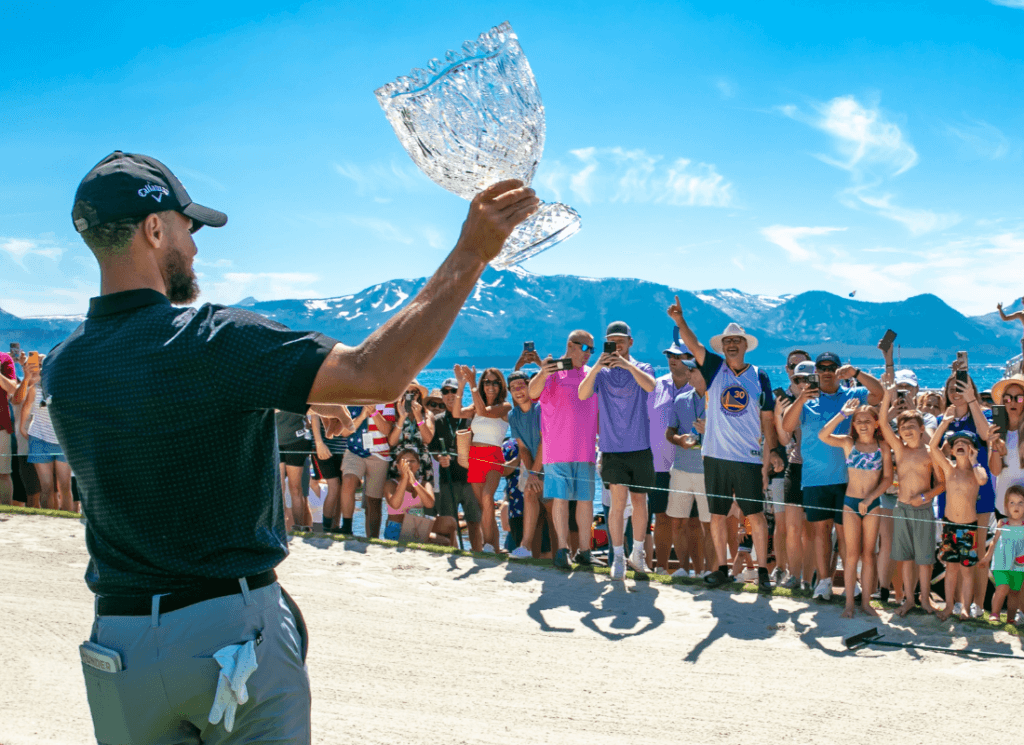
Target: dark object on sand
[(871, 636)]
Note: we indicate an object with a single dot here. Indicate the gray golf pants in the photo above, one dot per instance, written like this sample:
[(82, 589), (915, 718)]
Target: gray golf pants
[(164, 693)]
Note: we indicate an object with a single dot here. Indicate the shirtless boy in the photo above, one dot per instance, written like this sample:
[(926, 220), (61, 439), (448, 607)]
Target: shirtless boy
[(913, 540), (964, 476)]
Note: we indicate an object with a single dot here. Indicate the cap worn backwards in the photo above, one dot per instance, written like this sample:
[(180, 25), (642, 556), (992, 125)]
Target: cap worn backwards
[(128, 185)]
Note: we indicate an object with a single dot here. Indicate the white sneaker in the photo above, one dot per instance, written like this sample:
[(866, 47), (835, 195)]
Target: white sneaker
[(681, 573), (976, 612), (661, 571), (958, 608), (638, 561), (823, 590), (619, 567), (488, 548), (1019, 618), (749, 575), (521, 553)]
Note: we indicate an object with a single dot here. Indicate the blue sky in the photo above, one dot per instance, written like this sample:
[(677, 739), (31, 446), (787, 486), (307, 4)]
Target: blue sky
[(775, 148)]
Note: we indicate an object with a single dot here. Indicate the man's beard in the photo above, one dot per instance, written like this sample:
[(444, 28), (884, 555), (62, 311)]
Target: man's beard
[(179, 279)]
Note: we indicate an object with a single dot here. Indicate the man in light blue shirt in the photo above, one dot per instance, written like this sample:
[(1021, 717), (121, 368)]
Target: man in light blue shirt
[(824, 469)]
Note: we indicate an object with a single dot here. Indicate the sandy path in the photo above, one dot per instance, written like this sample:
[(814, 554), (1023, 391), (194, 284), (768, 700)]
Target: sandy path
[(413, 647)]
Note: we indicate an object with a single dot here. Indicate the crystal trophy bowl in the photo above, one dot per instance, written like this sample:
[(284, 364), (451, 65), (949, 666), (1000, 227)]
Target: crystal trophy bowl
[(474, 119)]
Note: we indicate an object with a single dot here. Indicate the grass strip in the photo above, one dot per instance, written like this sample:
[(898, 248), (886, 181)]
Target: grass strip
[(15, 510)]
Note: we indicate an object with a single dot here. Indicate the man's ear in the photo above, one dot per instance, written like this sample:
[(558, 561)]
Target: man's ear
[(153, 230)]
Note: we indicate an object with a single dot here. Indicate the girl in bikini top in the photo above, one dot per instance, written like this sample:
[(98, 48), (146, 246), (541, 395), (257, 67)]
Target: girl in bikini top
[(864, 461)]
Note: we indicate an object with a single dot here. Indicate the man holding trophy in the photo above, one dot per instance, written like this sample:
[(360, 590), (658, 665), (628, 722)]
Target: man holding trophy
[(191, 626)]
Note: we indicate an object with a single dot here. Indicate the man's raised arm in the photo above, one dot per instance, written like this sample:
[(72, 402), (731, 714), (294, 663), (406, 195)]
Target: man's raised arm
[(675, 312), (382, 366)]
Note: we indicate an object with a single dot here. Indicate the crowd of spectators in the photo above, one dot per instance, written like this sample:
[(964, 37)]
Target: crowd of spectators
[(837, 477)]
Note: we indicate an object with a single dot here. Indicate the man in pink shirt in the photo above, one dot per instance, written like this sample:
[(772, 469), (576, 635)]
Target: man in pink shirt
[(568, 429)]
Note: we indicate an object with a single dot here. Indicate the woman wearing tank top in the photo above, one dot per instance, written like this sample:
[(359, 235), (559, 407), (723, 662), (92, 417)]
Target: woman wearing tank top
[(489, 426)]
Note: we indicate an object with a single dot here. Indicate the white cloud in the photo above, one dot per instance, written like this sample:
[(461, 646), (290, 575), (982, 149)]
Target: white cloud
[(218, 264), (984, 139), (863, 137), (50, 301), (235, 286), (635, 176), (1009, 3), (19, 248), (725, 88), (917, 221), (872, 150), (788, 239), (383, 229), (382, 177)]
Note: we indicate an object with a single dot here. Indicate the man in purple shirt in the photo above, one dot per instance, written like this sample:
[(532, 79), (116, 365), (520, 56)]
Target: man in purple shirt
[(622, 384), (659, 411)]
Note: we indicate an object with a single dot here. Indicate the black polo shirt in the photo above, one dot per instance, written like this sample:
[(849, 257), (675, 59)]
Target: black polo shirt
[(166, 416), (445, 427)]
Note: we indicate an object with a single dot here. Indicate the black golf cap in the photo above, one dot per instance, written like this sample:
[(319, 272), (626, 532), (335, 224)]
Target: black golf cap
[(126, 185)]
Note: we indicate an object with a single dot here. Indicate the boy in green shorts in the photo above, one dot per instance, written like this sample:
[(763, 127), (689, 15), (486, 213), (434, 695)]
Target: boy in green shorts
[(1007, 556)]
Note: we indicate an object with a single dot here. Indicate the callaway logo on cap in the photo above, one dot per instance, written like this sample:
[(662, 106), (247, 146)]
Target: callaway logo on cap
[(126, 185)]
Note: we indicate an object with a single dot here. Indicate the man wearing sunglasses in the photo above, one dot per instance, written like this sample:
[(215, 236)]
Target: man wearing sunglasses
[(569, 453), (824, 474), (659, 410)]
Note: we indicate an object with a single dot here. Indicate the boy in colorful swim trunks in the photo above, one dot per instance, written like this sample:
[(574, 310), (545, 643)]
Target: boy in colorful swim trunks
[(913, 540), (964, 478)]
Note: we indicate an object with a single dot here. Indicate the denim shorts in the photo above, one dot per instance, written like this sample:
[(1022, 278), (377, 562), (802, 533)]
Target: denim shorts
[(41, 451), (569, 481)]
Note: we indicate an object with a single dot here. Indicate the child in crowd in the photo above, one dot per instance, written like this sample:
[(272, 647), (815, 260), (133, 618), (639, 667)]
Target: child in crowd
[(743, 561), (1007, 556), (869, 473), (913, 541), (408, 496), (964, 477)]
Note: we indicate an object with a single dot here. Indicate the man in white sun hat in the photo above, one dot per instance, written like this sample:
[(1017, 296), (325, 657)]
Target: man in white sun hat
[(739, 412)]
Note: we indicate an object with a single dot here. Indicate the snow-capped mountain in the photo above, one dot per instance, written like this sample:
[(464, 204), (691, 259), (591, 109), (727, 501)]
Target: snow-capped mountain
[(509, 307)]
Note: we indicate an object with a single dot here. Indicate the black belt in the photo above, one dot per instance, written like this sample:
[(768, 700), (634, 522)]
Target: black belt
[(207, 590)]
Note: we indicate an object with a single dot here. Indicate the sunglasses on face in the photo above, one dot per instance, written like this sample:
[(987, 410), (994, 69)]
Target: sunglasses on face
[(674, 356), (799, 379), (490, 382), (826, 368), (588, 348), (792, 365), (449, 391), (1008, 399), (435, 405)]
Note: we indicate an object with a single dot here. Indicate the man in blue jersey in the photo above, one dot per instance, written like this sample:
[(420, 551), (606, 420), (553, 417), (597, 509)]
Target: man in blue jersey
[(739, 415)]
